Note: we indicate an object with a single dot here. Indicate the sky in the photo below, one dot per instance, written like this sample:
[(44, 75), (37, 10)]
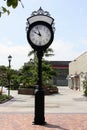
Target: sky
[(70, 38)]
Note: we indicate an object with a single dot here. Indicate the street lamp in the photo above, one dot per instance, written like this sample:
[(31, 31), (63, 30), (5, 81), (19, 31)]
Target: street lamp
[(9, 60), (40, 35), (9, 78)]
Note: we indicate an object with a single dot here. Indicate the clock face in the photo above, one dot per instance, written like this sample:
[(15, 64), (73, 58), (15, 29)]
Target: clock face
[(40, 34)]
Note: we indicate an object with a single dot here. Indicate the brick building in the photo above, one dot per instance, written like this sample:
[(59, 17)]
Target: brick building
[(62, 69)]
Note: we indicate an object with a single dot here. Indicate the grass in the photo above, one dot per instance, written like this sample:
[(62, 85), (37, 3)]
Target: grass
[(4, 98)]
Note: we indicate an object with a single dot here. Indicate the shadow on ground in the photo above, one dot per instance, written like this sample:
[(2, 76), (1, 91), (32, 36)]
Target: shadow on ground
[(55, 126)]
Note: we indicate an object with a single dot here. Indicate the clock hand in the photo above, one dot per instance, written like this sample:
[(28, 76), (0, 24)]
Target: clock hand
[(37, 33)]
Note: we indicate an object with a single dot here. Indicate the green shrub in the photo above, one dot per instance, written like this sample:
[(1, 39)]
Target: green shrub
[(4, 98), (85, 87)]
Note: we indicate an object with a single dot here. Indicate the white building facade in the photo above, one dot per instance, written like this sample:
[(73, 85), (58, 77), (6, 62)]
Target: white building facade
[(78, 72)]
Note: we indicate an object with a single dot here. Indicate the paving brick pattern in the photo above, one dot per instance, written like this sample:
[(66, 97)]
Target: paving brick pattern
[(23, 121)]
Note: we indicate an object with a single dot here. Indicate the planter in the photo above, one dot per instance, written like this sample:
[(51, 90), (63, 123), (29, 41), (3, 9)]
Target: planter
[(26, 91), (49, 91), (30, 91), (0, 91)]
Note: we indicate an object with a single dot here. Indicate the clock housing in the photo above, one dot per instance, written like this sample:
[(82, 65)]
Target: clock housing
[(40, 35)]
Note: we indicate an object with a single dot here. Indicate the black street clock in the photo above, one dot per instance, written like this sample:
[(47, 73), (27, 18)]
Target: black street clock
[(40, 35)]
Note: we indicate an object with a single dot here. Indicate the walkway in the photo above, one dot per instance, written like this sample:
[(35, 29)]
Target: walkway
[(64, 111)]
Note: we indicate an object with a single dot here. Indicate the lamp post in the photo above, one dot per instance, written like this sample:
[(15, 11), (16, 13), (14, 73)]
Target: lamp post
[(9, 78), (40, 35)]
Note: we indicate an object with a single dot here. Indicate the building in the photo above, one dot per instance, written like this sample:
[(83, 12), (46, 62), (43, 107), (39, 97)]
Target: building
[(62, 69), (78, 72)]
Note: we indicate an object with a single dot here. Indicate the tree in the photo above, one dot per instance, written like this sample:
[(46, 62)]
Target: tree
[(48, 71), (3, 76), (85, 87), (28, 76), (15, 80), (9, 3), (6, 74), (47, 53)]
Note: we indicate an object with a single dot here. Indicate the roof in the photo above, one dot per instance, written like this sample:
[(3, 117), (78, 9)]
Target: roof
[(85, 53), (59, 63)]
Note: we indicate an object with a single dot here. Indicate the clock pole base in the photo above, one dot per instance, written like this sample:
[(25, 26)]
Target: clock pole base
[(39, 108)]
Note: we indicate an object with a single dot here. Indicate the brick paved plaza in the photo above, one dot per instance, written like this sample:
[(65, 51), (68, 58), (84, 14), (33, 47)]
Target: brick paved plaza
[(22, 121), (64, 111)]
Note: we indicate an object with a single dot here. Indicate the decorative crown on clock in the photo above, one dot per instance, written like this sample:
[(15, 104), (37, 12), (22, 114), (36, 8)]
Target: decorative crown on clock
[(40, 15)]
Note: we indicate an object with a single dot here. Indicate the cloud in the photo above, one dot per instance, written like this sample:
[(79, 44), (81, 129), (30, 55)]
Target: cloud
[(19, 54), (63, 51)]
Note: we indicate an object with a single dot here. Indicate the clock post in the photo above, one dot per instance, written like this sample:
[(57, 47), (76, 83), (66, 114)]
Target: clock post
[(39, 94), (40, 35)]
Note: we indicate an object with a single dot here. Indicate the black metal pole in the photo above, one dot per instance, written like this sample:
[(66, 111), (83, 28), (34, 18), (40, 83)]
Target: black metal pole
[(39, 118), (9, 78), (40, 55)]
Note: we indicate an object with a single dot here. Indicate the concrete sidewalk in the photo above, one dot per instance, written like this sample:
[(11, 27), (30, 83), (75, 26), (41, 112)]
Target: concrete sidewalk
[(67, 101)]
